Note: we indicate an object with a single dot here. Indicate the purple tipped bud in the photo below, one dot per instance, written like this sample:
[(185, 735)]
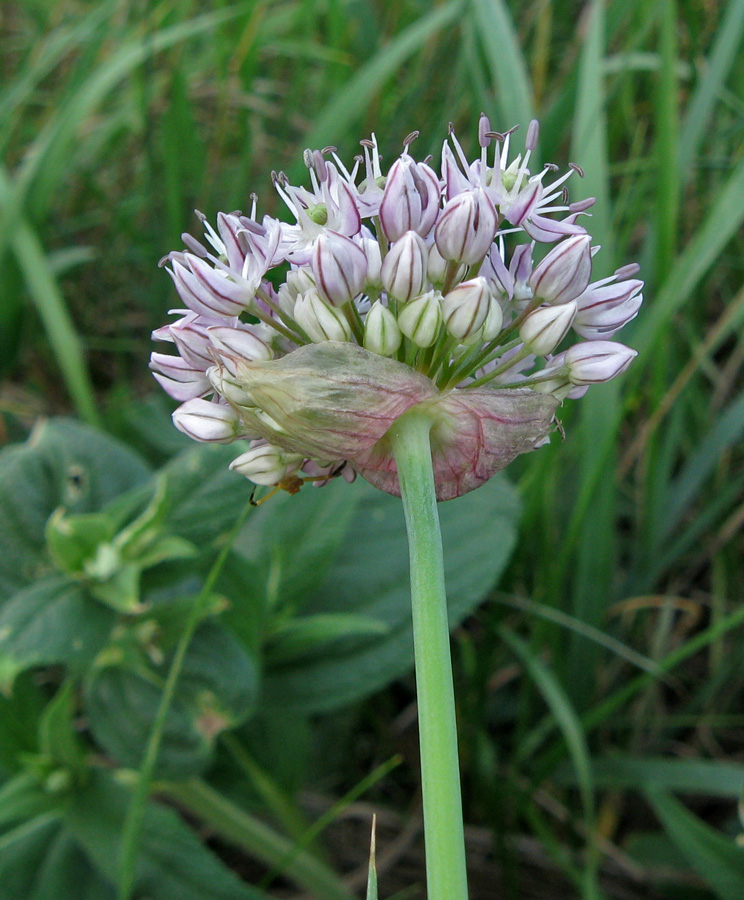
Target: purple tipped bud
[(421, 318), (403, 271), (484, 131), (565, 271), (465, 307), (374, 263), (240, 340), (266, 464), (381, 332), (178, 377), (543, 329), (605, 308), (205, 421), (466, 227), (339, 267), (594, 362), (410, 201), (320, 320)]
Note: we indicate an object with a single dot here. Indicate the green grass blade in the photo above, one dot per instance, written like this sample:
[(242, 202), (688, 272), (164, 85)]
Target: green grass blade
[(721, 60), (667, 171), (714, 856), (52, 309), (510, 79), (48, 155), (723, 220), (570, 726), (349, 105)]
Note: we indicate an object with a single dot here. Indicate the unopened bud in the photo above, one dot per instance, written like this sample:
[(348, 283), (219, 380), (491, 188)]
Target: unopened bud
[(543, 329), (436, 267), (494, 321), (239, 340), (381, 332), (404, 268), (421, 318), (339, 267), (206, 421), (410, 201), (266, 464), (565, 271), (466, 227), (320, 320), (465, 307), (594, 362), (374, 263)]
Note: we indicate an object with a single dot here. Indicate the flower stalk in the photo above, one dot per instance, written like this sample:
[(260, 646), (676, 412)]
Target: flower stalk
[(440, 770)]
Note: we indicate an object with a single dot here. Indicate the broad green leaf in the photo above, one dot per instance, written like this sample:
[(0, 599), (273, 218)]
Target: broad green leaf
[(304, 636), (370, 578), (65, 873), (58, 738), (292, 540), (53, 621), (63, 464), (22, 854), (19, 715), (173, 863), (22, 798), (717, 859), (217, 690)]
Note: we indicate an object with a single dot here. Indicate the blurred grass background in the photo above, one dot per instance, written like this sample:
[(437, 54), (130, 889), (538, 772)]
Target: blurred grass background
[(617, 633)]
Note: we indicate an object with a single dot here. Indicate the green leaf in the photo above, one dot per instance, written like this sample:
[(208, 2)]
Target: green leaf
[(173, 863), (58, 738), (717, 859), (19, 715), (292, 540), (506, 62), (217, 689), (22, 798), (53, 621), (713, 778), (63, 464), (370, 578), (293, 639)]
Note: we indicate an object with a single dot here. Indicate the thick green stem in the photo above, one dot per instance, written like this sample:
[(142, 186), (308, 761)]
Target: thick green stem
[(440, 771)]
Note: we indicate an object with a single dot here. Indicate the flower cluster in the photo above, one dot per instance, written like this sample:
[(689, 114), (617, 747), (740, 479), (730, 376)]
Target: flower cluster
[(413, 289)]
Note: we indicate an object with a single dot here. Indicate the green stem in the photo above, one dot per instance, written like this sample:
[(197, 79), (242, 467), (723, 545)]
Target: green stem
[(258, 839), (132, 831), (440, 772)]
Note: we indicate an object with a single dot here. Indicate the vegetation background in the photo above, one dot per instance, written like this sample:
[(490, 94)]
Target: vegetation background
[(601, 688)]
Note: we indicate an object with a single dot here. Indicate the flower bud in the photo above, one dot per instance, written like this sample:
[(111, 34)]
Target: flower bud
[(320, 320), (594, 362), (339, 267), (374, 263), (381, 332), (410, 201), (605, 308), (544, 328), (178, 377), (565, 271), (494, 321), (266, 464), (239, 340), (206, 421), (404, 268), (466, 227), (436, 267), (228, 386), (465, 307), (421, 318)]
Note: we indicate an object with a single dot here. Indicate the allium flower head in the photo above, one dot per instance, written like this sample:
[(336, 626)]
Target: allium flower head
[(400, 291)]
